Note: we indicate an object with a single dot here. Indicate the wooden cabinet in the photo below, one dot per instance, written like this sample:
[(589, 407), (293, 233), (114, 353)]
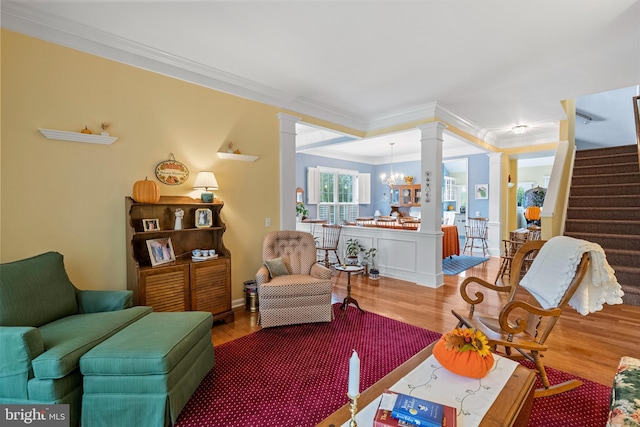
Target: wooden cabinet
[(183, 284), (449, 189), (405, 195)]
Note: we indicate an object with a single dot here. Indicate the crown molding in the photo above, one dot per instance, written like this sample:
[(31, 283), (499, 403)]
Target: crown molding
[(23, 19)]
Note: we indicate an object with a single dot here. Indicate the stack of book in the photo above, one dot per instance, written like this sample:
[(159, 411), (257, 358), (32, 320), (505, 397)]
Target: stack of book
[(401, 410)]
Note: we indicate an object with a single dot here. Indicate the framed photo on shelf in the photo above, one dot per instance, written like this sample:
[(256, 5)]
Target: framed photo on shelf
[(160, 251), (204, 218), (482, 191), (151, 224)]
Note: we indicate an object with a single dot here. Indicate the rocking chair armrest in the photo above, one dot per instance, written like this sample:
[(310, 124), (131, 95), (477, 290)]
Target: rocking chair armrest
[(479, 295), (520, 324)]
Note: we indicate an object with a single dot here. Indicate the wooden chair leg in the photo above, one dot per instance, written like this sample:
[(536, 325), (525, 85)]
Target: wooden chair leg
[(550, 390)]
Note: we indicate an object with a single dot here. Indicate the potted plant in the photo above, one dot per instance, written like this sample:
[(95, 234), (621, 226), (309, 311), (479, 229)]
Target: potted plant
[(353, 249), (301, 211), (374, 273)]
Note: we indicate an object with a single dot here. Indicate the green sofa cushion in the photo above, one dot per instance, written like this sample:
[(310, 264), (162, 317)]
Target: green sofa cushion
[(29, 287), (151, 346), (90, 301), (67, 339)]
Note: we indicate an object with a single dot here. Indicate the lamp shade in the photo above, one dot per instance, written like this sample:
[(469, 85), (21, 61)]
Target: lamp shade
[(206, 180)]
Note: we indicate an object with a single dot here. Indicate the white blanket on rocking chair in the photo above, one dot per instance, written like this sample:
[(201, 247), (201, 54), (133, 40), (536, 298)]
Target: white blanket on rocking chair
[(554, 267)]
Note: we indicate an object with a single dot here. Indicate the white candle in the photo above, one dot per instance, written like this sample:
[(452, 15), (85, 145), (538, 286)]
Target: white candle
[(354, 375)]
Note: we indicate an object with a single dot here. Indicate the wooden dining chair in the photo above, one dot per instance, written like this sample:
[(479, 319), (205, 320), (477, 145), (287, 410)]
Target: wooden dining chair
[(509, 248), (329, 243), (531, 310), (476, 233)]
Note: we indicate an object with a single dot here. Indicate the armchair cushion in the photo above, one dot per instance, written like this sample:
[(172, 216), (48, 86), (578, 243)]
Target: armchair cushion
[(28, 288), (276, 267)]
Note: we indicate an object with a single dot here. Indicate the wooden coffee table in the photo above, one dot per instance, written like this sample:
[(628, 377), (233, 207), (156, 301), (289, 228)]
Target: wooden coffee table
[(511, 408)]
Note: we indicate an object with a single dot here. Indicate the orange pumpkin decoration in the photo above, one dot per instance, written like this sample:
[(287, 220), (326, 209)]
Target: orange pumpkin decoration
[(532, 213), (86, 130), (465, 363), (146, 191)]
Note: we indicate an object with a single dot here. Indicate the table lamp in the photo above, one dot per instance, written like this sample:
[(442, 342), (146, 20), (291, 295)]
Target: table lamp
[(206, 180)]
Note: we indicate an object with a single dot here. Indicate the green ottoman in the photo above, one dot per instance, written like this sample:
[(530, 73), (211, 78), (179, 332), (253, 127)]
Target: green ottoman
[(145, 374)]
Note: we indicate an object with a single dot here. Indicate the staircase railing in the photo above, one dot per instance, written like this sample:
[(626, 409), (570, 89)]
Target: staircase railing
[(636, 114)]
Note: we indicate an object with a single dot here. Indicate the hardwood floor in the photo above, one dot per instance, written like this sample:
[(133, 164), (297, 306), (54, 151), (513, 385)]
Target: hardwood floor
[(588, 346)]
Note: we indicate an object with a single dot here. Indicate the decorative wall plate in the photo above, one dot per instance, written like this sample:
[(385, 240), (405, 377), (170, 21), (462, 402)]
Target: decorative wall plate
[(172, 172)]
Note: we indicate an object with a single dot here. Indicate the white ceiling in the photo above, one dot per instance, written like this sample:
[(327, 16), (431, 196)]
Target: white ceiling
[(488, 65)]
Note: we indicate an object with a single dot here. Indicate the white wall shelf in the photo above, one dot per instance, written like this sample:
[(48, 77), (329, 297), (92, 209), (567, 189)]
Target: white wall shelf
[(78, 136), (242, 157)]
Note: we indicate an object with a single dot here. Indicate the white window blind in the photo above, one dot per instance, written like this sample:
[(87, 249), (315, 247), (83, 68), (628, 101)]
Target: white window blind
[(364, 188)]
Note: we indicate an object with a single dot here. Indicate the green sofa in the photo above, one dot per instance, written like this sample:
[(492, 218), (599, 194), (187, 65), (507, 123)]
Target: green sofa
[(47, 325)]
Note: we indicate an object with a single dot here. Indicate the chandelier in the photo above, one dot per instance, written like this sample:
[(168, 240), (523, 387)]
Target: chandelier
[(393, 178)]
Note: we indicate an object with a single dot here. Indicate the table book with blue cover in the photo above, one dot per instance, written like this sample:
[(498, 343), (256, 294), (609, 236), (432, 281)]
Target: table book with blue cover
[(416, 411)]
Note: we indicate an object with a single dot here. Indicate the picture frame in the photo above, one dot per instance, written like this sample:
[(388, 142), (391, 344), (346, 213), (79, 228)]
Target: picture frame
[(160, 251), (151, 224), (204, 218), (482, 191)]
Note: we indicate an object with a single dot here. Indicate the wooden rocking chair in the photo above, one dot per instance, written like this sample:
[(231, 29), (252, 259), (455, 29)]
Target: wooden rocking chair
[(522, 323)]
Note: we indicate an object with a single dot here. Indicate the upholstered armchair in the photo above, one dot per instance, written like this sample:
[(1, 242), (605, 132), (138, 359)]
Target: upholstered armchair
[(292, 287)]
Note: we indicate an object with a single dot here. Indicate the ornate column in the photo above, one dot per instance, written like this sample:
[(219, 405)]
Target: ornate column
[(496, 184), (429, 245), (287, 171)]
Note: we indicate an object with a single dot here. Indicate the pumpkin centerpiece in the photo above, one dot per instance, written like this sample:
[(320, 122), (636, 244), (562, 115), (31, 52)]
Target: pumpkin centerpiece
[(146, 191), (464, 352)]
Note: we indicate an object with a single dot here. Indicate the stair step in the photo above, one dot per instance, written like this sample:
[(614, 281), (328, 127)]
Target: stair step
[(603, 213), (632, 200), (602, 226), (610, 178), (613, 190), (623, 257), (580, 170), (608, 241), (612, 159), (628, 280), (619, 149)]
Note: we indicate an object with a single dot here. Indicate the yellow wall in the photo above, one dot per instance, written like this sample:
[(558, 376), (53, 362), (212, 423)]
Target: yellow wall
[(69, 196)]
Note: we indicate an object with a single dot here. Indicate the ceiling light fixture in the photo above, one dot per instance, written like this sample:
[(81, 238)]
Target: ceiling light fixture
[(393, 179), (520, 129)]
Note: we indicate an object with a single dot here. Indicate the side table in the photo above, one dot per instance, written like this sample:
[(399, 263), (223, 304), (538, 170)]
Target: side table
[(349, 269)]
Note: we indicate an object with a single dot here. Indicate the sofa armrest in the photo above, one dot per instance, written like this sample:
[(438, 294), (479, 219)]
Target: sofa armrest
[(98, 301), (262, 276), (19, 345)]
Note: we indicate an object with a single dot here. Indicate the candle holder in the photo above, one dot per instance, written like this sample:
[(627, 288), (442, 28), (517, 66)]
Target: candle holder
[(353, 408)]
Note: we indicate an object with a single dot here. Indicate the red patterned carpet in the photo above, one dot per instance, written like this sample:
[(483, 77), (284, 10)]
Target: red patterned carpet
[(298, 375)]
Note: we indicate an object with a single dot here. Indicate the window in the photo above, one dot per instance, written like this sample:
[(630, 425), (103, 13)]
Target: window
[(337, 193)]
